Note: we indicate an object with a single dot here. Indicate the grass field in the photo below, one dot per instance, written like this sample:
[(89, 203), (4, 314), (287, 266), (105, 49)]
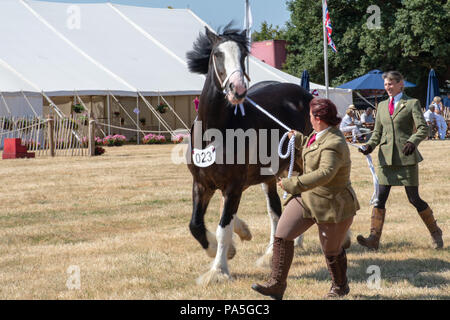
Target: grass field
[(122, 220)]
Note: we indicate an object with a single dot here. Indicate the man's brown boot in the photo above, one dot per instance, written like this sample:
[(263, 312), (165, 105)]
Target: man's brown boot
[(377, 221), (435, 231), (337, 266), (283, 253)]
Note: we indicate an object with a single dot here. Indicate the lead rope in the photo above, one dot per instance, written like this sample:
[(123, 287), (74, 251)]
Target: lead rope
[(374, 200), (291, 145), (289, 152)]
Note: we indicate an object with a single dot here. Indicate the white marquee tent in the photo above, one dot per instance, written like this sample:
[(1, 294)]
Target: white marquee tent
[(64, 49)]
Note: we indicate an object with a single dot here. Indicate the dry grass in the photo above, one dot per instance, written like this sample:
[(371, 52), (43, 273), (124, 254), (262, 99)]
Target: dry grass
[(123, 219)]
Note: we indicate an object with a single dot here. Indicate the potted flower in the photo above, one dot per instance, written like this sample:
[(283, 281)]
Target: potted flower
[(115, 140), (162, 107), (77, 108), (99, 151), (153, 139)]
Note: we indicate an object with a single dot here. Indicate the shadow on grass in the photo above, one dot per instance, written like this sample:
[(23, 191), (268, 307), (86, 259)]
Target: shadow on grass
[(420, 273)]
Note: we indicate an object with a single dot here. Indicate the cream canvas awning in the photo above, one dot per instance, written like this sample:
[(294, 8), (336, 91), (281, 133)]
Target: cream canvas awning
[(97, 48)]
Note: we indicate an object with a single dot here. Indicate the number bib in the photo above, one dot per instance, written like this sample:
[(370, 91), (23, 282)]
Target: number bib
[(204, 158)]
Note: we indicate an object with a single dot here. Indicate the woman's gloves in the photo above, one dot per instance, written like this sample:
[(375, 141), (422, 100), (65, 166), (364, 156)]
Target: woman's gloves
[(408, 148), (366, 149)]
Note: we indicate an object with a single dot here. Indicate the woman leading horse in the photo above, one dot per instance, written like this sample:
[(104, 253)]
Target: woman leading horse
[(322, 195)]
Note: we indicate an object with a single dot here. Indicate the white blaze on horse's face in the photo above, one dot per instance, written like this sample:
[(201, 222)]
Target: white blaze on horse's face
[(234, 75)]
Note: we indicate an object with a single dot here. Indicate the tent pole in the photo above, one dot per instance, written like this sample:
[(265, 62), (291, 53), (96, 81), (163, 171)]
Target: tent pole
[(173, 110), (91, 112), (6, 105), (108, 110), (137, 118), (29, 104), (129, 116), (152, 109)]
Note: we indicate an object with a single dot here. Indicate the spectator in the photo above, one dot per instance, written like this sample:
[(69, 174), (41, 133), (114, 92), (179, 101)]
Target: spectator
[(446, 101), (350, 124), (437, 103), (440, 124), (431, 120), (196, 103), (367, 116)]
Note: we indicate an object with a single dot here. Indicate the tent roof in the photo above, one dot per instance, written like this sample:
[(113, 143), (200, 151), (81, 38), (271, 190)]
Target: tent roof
[(117, 48)]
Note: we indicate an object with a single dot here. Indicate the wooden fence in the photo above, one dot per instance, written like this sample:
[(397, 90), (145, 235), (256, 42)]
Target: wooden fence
[(68, 136)]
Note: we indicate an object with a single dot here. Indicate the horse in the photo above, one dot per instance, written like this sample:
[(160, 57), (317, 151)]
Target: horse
[(221, 58)]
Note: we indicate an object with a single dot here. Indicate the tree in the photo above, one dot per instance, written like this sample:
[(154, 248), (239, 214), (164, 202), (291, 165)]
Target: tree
[(268, 32), (412, 37)]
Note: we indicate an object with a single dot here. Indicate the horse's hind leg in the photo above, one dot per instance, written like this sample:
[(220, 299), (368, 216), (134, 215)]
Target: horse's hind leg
[(219, 270), (274, 211)]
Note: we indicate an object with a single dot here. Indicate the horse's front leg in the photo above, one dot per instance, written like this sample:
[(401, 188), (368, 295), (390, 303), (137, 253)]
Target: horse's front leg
[(219, 271)]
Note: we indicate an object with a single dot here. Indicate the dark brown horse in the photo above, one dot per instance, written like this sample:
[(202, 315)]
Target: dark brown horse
[(221, 58)]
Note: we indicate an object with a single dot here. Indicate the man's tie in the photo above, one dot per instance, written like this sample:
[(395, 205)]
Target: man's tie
[(311, 140), (391, 106)]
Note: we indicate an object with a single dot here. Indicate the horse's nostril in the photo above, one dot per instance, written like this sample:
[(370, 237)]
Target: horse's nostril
[(242, 95)]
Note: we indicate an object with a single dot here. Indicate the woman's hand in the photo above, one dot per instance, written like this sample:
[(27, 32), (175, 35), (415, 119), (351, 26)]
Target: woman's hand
[(366, 149), (280, 184), (408, 148), (291, 133)]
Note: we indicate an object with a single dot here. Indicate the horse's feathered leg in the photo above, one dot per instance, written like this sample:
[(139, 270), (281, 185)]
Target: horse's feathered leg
[(219, 270), (201, 197)]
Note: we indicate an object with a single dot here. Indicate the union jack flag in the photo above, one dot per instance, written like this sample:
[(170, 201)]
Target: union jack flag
[(328, 27)]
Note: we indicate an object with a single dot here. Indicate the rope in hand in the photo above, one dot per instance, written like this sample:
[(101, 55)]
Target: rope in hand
[(291, 145), (289, 152)]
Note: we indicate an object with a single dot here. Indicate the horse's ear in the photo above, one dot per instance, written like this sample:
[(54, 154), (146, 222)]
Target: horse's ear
[(244, 33), (211, 35)]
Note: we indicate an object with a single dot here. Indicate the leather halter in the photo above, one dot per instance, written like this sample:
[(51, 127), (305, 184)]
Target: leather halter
[(224, 83)]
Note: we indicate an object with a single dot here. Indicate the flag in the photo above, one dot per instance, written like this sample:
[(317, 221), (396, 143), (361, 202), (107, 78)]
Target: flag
[(329, 28)]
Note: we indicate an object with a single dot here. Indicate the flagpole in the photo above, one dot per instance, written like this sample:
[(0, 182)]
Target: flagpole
[(247, 22), (325, 47)]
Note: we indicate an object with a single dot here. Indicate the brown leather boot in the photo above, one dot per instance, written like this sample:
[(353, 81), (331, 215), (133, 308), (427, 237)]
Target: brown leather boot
[(283, 253), (377, 221), (435, 231), (337, 266)]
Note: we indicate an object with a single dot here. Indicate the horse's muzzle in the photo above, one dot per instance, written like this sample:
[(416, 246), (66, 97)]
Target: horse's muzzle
[(237, 93)]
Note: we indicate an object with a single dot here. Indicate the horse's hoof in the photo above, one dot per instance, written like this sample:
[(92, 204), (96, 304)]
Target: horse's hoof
[(213, 276), (242, 230), (264, 261), (231, 252)]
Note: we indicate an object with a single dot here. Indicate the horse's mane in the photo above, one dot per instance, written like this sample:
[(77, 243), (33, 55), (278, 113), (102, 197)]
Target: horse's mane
[(198, 57)]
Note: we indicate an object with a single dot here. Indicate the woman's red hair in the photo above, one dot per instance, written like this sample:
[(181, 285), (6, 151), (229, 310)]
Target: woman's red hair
[(325, 110)]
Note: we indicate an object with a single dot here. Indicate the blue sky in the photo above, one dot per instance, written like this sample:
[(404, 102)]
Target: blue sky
[(217, 13)]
